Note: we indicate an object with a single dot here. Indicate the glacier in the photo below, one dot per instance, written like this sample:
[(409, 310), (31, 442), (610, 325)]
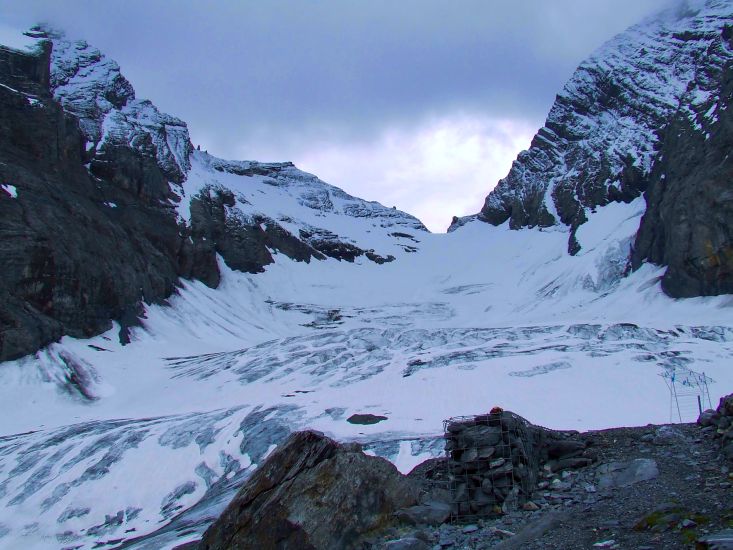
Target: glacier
[(142, 443)]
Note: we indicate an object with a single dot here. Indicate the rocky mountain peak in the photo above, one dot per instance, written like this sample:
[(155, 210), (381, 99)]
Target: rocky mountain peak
[(138, 207), (602, 136), (91, 86)]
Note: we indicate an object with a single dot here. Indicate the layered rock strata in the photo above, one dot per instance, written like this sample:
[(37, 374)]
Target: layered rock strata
[(647, 113)]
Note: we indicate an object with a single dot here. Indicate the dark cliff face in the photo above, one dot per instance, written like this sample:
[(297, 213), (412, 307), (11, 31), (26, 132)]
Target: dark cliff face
[(78, 248), (634, 111), (243, 244), (688, 224), (91, 233)]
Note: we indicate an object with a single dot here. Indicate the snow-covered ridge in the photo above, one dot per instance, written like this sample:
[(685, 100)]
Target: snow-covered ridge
[(313, 192), (290, 211), (254, 181), (600, 138), (91, 86)]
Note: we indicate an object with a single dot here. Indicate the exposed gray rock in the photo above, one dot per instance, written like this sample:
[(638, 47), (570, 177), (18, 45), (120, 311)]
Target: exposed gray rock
[(720, 423), (667, 435), (610, 136), (725, 407), (407, 543), (622, 474), (728, 451), (365, 419), (109, 114), (688, 224), (576, 462), (722, 540), (59, 275), (312, 493), (429, 513), (245, 244), (532, 531), (564, 448)]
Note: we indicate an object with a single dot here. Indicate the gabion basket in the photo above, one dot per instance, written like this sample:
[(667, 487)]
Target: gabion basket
[(490, 464)]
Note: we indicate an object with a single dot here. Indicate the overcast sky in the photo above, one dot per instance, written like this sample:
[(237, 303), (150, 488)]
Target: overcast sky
[(418, 104)]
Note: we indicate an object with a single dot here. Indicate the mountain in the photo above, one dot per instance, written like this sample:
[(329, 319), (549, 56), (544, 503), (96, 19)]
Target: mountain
[(122, 206), (646, 113), (168, 317)]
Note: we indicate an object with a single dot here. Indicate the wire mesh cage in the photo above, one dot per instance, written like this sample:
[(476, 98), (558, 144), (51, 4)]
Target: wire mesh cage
[(491, 464), (688, 392)]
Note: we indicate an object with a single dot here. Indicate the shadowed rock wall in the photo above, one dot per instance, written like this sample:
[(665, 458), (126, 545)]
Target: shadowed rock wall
[(78, 249)]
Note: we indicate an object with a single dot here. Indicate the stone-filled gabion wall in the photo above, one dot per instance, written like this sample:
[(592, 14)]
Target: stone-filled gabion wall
[(492, 462), (720, 422), (494, 459)]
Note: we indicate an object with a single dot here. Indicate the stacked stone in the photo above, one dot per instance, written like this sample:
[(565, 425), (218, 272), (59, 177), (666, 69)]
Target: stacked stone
[(720, 422), (494, 461)]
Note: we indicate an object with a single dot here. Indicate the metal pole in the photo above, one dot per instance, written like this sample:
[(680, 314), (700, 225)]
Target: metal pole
[(676, 400), (699, 404), (707, 390), (671, 398)]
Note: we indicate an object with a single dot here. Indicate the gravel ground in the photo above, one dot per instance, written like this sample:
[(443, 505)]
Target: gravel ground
[(652, 487)]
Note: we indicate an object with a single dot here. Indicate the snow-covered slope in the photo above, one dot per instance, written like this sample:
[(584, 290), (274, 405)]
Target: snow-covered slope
[(320, 215), (141, 445), (90, 86), (139, 208), (150, 439)]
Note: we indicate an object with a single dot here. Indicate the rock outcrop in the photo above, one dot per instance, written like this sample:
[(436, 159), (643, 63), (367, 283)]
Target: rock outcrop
[(646, 112), (91, 87), (312, 493), (78, 250), (653, 486), (720, 422), (102, 209), (245, 244), (688, 224)]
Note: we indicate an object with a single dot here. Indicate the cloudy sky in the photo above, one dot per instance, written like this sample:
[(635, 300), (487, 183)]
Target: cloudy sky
[(418, 104)]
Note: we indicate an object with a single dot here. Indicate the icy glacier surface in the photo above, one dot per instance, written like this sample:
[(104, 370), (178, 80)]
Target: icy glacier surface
[(143, 445)]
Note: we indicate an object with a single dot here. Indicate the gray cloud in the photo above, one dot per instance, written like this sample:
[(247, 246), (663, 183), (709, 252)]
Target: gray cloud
[(280, 80), (249, 71)]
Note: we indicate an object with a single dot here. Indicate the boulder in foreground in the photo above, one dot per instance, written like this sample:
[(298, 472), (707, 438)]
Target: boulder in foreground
[(312, 493)]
